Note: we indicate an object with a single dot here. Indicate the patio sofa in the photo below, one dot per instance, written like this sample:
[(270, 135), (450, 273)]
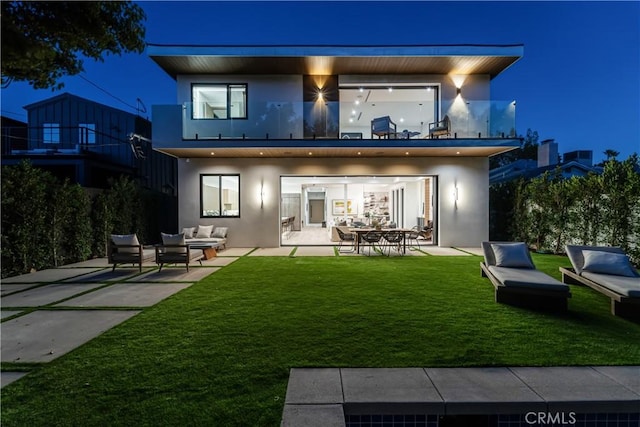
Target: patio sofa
[(509, 267), (206, 234), (608, 271), (175, 250), (126, 249)]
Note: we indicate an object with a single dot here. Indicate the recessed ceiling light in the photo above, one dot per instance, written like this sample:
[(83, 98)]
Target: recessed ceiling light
[(359, 153), (390, 89), (457, 152), (351, 120), (310, 153), (361, 90), (261, 153), (406, 153), (357, 102), (213, 154), (353, 112), (401, 119)]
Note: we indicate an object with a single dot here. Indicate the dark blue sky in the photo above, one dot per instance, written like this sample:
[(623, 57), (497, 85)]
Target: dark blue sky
[(578, 82)]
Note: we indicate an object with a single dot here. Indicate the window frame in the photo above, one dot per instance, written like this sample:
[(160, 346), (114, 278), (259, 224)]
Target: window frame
[(220, 176), (48, 131), (87, 133), (228, 102)]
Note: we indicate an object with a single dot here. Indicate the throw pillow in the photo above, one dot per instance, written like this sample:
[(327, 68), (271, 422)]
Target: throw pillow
[(513, 255), (126, 239), (174, 239), (188, 232), (607, 263), (204, 231), (220, 232)]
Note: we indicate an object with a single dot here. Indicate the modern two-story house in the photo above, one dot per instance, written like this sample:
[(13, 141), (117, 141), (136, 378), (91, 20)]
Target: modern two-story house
[(269, 137)]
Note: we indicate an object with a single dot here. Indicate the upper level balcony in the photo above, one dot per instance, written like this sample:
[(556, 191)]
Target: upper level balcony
[(488, 126)]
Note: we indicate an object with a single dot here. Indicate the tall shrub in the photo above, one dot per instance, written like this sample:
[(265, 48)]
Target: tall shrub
[(587, 219), (541, 204), (71, 234), (621, 191), (26, 218)]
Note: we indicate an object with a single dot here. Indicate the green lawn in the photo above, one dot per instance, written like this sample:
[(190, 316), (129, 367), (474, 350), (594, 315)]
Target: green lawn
[(219, 352)]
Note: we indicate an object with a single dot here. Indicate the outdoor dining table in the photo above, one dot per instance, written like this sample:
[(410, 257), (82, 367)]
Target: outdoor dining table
[(359, 232)]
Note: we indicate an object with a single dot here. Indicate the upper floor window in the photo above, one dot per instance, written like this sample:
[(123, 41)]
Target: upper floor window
[(87, 133), (219, 196), (219, 101), (51, 133)]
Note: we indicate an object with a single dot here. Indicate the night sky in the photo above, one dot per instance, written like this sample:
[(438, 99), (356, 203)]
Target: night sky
[(578, 82)]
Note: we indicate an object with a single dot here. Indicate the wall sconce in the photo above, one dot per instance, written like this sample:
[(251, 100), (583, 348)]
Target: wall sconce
[(262, 195), (458, 91), (320, 95), (455, 194)]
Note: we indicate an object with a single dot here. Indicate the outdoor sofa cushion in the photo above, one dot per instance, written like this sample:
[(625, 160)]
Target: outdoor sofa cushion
[(526, 278), (220, 232), (624, 285), (607, 263), (188, 232), (513, 255), (126, 239), (204, 231), (576, 256), (174, 239)]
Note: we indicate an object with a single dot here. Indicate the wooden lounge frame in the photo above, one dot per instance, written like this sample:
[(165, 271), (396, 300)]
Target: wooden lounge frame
[(621, 305), (174, 257), (538, 299), (115, 256)]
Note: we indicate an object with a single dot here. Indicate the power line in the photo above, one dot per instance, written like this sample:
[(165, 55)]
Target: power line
[(110, 94)]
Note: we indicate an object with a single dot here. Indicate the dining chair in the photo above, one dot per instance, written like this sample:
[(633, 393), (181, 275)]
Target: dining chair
[(394, 240), (373, 239), (346, 237)]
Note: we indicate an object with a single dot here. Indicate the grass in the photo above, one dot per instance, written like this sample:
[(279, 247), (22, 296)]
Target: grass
[(219, 352)]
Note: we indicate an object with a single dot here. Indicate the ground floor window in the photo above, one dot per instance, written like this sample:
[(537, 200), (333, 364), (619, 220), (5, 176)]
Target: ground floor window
[(312, 206), (51, 133), (219, 196)]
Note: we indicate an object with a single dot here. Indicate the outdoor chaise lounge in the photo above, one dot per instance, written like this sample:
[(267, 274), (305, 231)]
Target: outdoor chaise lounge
[(517, 282), (174, 250), (126, 249), (608, 271)]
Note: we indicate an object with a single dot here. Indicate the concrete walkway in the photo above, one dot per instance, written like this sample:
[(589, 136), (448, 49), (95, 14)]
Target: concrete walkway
[(325, 396), (48, 313)]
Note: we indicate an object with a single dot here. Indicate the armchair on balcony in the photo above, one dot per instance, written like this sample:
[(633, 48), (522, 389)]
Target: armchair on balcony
[(383, 127), (443, 127)]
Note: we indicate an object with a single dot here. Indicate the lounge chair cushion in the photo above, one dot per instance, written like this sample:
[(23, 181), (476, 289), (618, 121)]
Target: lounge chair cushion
[(188, 232), (526, 278), (126, 239), (220, 232), (577, 258), (174, 239), (513, 255), (629, 286), (607, 263), (204, 231)]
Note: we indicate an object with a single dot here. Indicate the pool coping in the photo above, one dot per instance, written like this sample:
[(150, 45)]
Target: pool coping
[(323, 396)]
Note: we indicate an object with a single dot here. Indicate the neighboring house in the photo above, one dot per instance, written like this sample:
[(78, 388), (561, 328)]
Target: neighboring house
[(326, 134), (89, 143), (576, 163)]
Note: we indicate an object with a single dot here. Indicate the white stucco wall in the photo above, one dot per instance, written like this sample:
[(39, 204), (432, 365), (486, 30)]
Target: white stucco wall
[(461, 223)]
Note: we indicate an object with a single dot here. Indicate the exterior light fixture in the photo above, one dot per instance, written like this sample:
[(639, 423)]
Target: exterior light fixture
[(320, 95), (458, 91), (213, 153), (455, 194)]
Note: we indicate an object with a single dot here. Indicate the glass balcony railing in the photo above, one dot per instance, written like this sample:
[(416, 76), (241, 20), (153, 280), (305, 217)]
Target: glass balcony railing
[(342, 120)]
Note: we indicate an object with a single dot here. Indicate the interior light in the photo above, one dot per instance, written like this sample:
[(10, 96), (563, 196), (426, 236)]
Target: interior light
[(353, 112), (401, 119), (390, 89), (357, 102), (350, 119), (429, 89), (361, 90)]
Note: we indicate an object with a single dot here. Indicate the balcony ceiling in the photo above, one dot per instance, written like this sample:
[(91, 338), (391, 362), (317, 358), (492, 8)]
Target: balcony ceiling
[(325, 60), (446, 148)]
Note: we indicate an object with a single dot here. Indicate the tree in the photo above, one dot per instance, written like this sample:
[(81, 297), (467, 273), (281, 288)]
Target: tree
[(43, 41)]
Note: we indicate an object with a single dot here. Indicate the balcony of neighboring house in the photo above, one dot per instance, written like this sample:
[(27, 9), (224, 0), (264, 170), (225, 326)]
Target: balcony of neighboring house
[(363, 120)]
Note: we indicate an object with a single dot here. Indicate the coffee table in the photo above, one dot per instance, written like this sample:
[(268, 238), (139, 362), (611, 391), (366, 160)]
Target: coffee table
[(209, 249)]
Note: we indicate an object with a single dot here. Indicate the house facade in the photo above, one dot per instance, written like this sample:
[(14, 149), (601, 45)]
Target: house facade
[(275, 137)]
